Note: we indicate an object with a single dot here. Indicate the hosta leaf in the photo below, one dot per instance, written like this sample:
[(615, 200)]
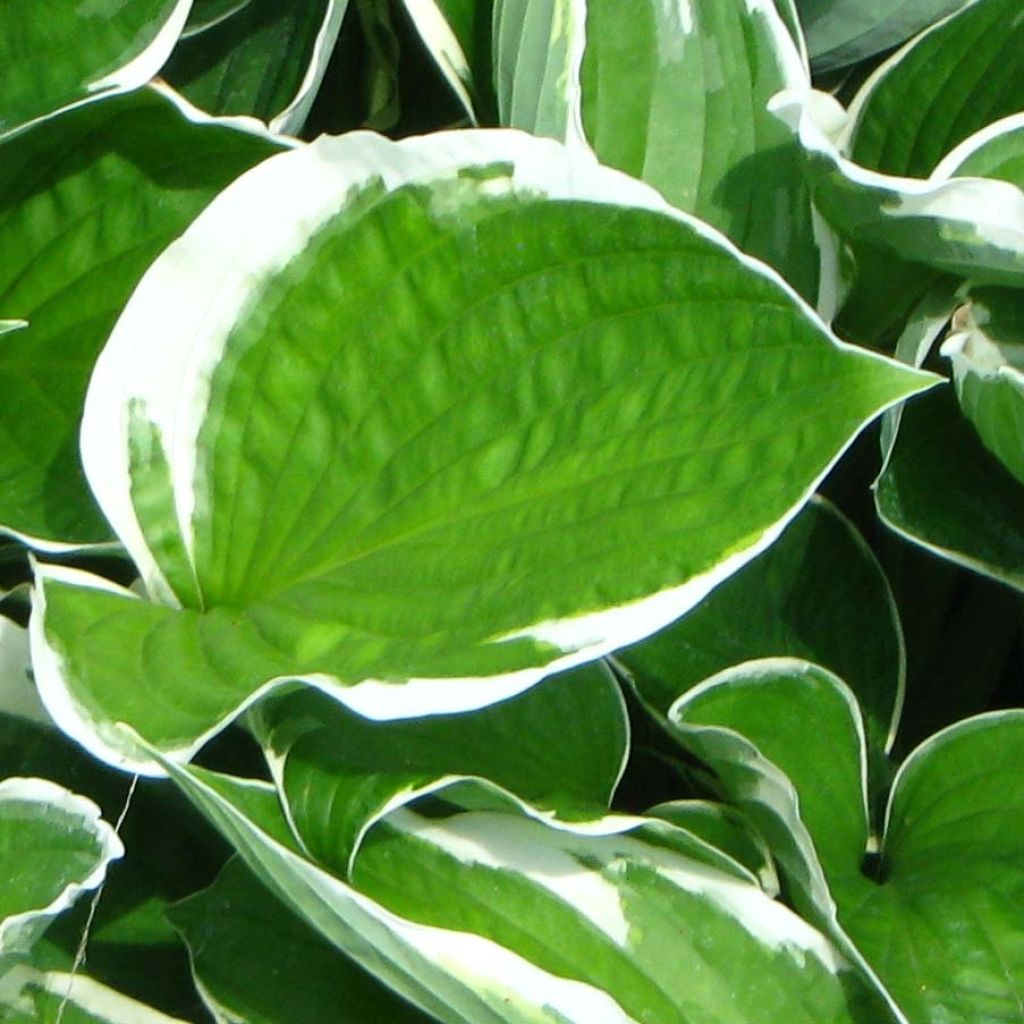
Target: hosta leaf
[(457, 34), (18, 695), (53, 847), (207, 13), (86, 201), (783, 604), (244, 943), (943, 87), (963, 226), (31, 996), (986, 348), (561, 745), (265, 58), (416, 516), (515, 921), (935, 917), (59, 55), (841, 32), (675, 96), (942, 490)]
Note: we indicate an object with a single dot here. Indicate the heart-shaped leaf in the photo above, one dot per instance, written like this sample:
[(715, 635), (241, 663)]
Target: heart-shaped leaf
[(588, 380)]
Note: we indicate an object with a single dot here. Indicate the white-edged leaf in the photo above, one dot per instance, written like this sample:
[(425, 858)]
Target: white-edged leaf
[(57, 56), (53, 847), (397, 481)]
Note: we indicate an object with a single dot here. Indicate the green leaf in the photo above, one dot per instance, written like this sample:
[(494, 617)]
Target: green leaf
[(942, 490), (677, 98), (57, 55), (244, 943), (87, 201), (962, 226), (18, 695), (986, 348), (53, 847), (32, 996), (263, 58), (933, 915), (561, 745), (783, 604), (943, 87), (842, 32), (515, 921), (414, 515), (207, 13), (457, 34)]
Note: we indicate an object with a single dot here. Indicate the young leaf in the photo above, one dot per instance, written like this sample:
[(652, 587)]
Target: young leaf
[(87, 201), (57, 56), (265, 58), (53, 847), (461, 412)]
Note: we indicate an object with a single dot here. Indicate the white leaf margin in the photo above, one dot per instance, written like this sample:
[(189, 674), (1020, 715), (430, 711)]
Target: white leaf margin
[(81, 991), (778, 795), (293, 117), (21, 929), (991, 208), (493, 982), (133, 74)]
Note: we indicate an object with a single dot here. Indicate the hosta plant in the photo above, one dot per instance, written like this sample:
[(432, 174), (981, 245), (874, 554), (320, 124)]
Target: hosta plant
[(512, 511)]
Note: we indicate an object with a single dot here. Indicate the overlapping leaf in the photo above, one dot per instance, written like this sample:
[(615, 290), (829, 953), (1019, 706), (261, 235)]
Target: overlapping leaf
[(262, 58), (244, 943), (86, 202), (783, 604), (491, 917), (32, 996), (931, 912), (499, 356), (675, 96), (56, 56), (561, 745), (940, 89), (941, 489), (53, 847), (841, 32)]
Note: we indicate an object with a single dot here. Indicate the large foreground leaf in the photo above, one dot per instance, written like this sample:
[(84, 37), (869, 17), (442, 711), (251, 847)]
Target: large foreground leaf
[(53, 847), (453, 413), (87, 200), (484, 917), (934, 914), (57, 55)]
